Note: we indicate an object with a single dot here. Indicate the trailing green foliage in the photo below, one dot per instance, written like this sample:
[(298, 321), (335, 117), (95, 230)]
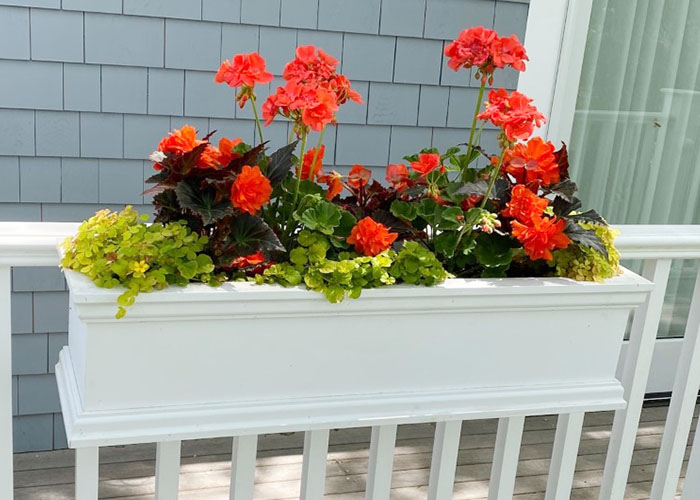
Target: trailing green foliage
[(119, 248), (584, 263), (347, 276)]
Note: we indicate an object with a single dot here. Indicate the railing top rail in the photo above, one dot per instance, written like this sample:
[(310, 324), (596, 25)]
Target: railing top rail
[(658, 241), (34, 243)]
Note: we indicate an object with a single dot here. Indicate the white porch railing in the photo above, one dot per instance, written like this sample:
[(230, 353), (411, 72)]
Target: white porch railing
[(34, 244)]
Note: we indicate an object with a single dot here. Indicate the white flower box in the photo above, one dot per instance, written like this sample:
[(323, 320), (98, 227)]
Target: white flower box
[(201, 361)]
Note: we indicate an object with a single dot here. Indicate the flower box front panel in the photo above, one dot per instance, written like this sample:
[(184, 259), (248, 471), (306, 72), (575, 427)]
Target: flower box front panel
[(245, 343)]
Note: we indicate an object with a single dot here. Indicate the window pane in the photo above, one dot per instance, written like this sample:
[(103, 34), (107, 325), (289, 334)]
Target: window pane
[(635, 145)]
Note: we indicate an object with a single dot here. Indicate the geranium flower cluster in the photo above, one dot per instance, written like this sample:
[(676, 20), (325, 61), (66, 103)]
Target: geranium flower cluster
[(483, 49), (313, 92)]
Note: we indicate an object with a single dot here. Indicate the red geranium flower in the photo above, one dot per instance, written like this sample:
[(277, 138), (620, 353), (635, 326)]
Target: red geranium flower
[(251, 190), (359, 176), (508, 51), (243, 69), (471, 48), (397, 176), (540, 236), (370, 237), (320, 111), (427, 162), (307, 172), (532, 163), (471, 201), (524, 204), (513, 113)]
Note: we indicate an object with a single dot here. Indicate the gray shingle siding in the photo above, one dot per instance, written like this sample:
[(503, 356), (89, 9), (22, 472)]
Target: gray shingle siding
[(88, 87)]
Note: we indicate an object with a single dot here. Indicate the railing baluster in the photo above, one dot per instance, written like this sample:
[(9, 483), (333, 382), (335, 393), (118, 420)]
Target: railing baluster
[(564, 452), (634, 379), (167, 469), (87, 477), (691, 488), (680, 411), (313, 472), (245, 449), (6, 490), (381, 462), (505, 458), (444, 460)]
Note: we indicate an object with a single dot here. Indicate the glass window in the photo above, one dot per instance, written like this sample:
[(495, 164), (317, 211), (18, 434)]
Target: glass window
[(635, 145)]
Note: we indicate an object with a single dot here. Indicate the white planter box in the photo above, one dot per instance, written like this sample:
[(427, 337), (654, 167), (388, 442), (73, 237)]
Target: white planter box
[(201, 361)]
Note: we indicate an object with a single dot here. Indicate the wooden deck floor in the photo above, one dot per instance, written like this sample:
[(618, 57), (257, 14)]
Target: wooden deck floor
[(127, 472)]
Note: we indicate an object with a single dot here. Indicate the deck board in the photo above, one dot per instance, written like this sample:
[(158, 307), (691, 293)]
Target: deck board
[(126, 472)]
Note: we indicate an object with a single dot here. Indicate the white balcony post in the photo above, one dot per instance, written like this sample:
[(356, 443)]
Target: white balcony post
[(243, 455), (313, 471), (634, 379), (167, 469), (6, 490), (87, 477), (680, 412)]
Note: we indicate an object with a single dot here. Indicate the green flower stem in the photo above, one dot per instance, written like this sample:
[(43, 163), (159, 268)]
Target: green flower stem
[(257, 118), (494, 175), (477, 108), (287, 227), (318, 147)]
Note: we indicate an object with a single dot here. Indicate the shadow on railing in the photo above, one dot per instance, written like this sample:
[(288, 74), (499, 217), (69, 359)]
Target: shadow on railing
[(34, 244)]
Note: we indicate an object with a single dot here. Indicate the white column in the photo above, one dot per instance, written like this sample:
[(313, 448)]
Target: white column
[(505, 458), (245, 449), (167, 469), (691, 488), (680, 412), (444, 460), (5, 385), (634, 379), (381, 462), (87, 478), (564, 453), (313, 471)]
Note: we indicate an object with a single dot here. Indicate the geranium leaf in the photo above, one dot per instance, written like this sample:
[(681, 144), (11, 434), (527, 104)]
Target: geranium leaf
[(404, 210), (585, 237), (446, 243), (250, 234), (203, 202), (493, 250), (323, 216), (280, 163)]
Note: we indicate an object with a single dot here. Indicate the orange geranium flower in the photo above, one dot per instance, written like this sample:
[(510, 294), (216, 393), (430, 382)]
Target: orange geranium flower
[(541, 235), (243, 69), (334, 181), (359, 176), (397, 176), (427, 162), (180, 141), (370, 237), (307, 172), (524, 204), (226, 152), (471, 48), (533, 162), (471, 201), (254, 259), (251, 190)]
